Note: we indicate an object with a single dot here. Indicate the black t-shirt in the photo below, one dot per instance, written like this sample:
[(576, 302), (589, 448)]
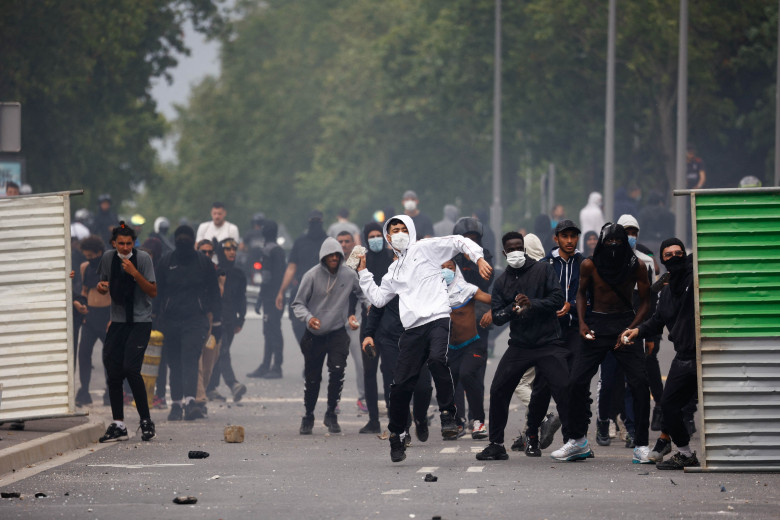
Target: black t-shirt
[(695, 165), (305, 253)]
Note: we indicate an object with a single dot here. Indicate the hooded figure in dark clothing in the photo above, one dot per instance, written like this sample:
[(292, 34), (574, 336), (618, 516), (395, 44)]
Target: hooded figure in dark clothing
[(378, 256), (614, 259)]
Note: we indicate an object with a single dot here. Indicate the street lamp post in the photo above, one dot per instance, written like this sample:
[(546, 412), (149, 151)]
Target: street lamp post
[(680, 203), (496, 218), (609, 137)]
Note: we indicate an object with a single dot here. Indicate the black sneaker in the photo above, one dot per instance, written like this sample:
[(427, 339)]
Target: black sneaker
[(176, 413), (493, 452), (397, 448), (260, 371), (519, 444), (407, 439), (114, 433), (658, 419), (602, 432), (147, 430), (421, 430), (332, 422), (532, 447), (192, 411), (371, 427), (238, 391), (547, 430), (449, 428), (679, 461), (630, 443), (274, 373), (307, 424)]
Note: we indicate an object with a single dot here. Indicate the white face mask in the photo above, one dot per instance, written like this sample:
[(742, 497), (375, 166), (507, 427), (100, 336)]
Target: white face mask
[(400, 241), (515, 259), (124, 257), (410, 204)]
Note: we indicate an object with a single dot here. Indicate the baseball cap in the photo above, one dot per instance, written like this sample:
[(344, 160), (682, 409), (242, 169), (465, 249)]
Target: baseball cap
[(565, 224)]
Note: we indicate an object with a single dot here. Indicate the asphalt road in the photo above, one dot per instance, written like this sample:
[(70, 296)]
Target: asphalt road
[(276, 473)]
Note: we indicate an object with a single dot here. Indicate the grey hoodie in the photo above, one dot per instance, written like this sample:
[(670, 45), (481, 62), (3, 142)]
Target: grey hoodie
[(325, 296)]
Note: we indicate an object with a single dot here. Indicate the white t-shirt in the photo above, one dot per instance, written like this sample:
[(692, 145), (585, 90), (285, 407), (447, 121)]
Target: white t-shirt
[(208, 231)]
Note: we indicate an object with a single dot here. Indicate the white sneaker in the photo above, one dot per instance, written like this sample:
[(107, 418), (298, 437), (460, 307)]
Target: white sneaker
[(641, 455), (478, 430), (572, 451), (612, 430)]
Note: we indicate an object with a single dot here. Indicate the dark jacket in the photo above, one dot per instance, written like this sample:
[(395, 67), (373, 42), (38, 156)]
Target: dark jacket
[(677, 314), (537, 326), (187, 289), (383, 323), (234, 297), (568, 274)]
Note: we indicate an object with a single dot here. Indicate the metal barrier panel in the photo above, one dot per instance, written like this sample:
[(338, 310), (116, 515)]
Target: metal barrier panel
[(36, 327), (737, 247)]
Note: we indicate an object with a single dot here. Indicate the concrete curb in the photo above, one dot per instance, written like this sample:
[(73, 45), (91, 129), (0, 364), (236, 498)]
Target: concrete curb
[(37, 450)]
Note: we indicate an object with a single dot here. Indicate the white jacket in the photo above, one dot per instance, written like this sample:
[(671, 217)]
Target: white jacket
[(591, 216), (415, 276)]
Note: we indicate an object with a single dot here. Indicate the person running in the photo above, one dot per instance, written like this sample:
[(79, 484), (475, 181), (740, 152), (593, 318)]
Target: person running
[(233, 290), (528, 296), (676, 312), (609, 278), (415, 276), (128, 276), (190, 305), (466, 356), (322, 304), (96, 309)]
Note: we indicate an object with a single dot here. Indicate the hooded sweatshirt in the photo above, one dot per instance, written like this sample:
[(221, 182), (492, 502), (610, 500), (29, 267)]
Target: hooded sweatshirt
[(568, 274), (445, 226), (415, 276), (323, 295), (591, 216)]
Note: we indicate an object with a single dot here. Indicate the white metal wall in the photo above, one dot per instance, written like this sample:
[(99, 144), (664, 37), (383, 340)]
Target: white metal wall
[(36, 330)]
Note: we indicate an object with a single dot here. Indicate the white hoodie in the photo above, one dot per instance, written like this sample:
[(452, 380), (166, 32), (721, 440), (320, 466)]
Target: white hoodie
[(415, 276), (591, 216)]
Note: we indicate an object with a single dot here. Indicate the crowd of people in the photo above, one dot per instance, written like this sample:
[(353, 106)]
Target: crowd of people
[(419, 302)]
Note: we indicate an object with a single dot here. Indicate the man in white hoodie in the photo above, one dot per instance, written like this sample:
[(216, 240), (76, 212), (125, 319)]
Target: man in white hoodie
[(591, 216), (415, 276)]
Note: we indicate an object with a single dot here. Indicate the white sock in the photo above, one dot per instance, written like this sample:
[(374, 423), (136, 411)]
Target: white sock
[(120, 424), (187, 400), (685, 450)]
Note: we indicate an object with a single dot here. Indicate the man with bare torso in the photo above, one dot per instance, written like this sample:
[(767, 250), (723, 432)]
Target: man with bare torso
[(607, 281)]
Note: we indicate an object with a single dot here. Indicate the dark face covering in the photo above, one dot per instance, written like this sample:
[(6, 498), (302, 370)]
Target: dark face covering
[(185, 247), (680, 267), (316, 231), (615, 263)]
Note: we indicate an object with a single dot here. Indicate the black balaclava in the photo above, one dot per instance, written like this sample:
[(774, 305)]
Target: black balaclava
[(677, 266), (316, 231), (270, 230), (614, 263), (184, 238)]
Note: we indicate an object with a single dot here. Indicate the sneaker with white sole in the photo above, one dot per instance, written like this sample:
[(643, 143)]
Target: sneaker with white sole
[(572, 451), (662, 449), (478, 430), (641, 455), (114, 433)]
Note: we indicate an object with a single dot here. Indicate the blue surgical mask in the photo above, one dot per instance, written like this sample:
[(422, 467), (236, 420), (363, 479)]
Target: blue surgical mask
[(448, 275), (632, 242), (376, 244), (553, 223)]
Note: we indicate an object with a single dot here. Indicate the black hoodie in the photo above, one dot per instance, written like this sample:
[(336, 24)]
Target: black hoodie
[(537, 326)]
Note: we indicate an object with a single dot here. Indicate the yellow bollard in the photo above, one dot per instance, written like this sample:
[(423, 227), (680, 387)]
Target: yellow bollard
[(151, 366)]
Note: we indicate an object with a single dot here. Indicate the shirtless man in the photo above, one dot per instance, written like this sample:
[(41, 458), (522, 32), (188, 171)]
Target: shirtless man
[(607, 281), (463, 354)]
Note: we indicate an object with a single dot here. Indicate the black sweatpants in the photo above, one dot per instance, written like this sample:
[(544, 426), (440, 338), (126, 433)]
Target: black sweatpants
[(654, 373), (540, 393), (184, 341), (272, 333), (681, 387), (224, 365), (466, 365), (418, 345), (335, 346), (550, 363), (385, 360), (93, 329), (631, 358), (123, 356)]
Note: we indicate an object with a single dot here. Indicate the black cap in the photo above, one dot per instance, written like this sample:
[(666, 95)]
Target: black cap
[(315, 214), (563, 225)]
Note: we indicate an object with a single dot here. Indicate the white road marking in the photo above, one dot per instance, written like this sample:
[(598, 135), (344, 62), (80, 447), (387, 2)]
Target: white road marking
[(136, 466), (475, 469), (477, 449), (468, 491), (395, 492), (450, 450), (427, 469)]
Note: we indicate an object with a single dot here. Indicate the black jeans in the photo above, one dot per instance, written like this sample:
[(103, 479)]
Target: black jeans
[(184, 343), (93, 329), (418, 345), (123, 356), (540, 393), (224, 365), (467, 367), (272, 333), (550, 363), (385, 360), (607, 327), (654, 373), (334, 345), (681, 387)]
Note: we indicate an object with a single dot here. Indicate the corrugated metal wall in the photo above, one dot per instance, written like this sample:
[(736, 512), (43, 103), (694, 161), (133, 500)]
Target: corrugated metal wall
[(738, 271), (36, 355)]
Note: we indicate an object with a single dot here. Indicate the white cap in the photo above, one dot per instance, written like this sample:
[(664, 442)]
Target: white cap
[(628, 221)]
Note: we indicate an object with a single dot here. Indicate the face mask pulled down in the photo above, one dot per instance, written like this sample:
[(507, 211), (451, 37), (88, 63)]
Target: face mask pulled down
[(448, 275), (515, 259), (400, 241)]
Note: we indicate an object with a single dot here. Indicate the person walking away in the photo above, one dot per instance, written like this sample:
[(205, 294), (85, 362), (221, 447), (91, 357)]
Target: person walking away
[(445, 226), (343, 224), (322, 303), (128, 276)]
